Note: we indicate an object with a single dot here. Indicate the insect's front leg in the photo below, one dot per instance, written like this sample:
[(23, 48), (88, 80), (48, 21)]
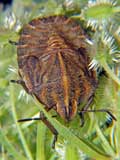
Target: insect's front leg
[(22, 83), (14, 43)]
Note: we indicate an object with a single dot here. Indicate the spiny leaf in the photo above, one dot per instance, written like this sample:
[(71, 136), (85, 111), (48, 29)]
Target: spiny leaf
[(99, 10)]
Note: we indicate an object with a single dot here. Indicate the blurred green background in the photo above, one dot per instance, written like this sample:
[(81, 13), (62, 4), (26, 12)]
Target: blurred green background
[(100, 136)]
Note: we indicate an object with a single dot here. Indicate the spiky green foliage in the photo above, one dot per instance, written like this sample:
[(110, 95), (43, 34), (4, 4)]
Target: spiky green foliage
[(32, 140)]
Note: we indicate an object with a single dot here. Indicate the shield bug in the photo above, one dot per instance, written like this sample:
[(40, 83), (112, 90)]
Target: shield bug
[(53, 64)]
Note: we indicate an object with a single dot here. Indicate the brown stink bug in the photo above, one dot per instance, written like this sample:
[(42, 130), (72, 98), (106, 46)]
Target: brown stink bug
[(53, 65)]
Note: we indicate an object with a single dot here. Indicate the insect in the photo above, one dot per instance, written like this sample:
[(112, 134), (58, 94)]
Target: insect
[(53, 60)]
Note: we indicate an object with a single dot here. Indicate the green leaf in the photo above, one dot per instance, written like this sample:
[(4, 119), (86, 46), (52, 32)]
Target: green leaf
[(41, 130), (79, 143), (3, 83), (10, 148), (99, 11), (105, 143), (23, 141), (71, 152)]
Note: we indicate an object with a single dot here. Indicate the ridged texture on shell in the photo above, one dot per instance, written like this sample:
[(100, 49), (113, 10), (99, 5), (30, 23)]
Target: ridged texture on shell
[(53, 62)]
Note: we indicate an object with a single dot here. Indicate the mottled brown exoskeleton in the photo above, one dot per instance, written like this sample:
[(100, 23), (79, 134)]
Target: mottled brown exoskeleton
[(53, 60)]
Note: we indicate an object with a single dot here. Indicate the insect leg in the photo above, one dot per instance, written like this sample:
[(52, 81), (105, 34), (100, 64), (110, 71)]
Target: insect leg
[(101, 110), (22, 83), (17, 81), (82, 121), (13, 43), (81, 113), (51, 127), (47, 123), (85, 109)]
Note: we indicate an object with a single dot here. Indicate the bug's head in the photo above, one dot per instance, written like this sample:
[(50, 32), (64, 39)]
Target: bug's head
[(67, 112)]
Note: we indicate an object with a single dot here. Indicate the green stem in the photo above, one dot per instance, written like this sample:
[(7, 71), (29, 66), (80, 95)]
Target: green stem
[(110, 72), (24, 143), (71, 152), (41, 130), (105, 143)]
